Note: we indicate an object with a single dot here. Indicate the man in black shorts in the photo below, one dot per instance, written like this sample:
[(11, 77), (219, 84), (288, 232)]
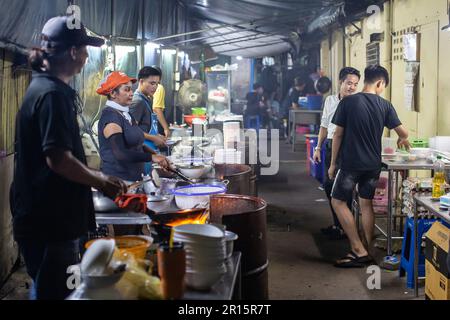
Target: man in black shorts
[(360, 121)]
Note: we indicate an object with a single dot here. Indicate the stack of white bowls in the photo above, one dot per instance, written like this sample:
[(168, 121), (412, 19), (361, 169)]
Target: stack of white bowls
[(228, 156), (205, 254)]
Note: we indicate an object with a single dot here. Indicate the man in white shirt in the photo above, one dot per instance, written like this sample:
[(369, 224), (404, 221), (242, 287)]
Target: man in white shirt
[(348, 79)]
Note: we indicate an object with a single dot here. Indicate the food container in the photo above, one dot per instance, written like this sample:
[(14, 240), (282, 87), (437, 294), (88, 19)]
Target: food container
[(421, 153), (389, 145), (189, 197)]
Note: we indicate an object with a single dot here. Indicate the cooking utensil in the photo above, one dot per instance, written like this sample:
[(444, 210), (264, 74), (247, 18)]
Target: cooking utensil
[(102, 203), (182, 176), (135, 185)]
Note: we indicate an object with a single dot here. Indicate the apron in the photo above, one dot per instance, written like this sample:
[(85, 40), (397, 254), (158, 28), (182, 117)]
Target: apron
[(153, 131)]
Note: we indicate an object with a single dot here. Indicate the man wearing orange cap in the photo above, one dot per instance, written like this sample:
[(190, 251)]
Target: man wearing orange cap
[(121, 140)]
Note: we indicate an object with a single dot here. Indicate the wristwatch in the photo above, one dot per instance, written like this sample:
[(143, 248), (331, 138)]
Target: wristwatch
[(317, 148)]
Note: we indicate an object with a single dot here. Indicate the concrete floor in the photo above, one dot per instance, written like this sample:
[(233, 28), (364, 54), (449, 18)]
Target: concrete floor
[(301, 258)]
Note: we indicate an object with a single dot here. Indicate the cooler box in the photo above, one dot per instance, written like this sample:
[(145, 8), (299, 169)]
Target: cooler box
[(311, 102), (316, 170)]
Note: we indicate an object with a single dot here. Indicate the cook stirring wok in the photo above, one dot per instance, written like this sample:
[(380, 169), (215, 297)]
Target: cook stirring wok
[(122, 149)]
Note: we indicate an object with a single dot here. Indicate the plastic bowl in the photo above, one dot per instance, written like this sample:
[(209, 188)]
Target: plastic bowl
[(188, 197), (135, 245)]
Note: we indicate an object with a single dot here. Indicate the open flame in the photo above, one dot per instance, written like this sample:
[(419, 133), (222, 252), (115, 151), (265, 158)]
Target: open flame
[(201, 218)]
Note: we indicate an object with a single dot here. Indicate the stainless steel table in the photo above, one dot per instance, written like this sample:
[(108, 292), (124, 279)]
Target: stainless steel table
[(432, 207), (394, 168), (301, 117), (228, 288)]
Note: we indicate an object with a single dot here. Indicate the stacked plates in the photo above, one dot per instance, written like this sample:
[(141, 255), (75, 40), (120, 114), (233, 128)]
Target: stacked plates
[(228, 156), (205, 254)]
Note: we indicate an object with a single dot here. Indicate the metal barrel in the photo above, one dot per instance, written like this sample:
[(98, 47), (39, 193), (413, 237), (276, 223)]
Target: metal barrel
[(239, 176), (246, 216)]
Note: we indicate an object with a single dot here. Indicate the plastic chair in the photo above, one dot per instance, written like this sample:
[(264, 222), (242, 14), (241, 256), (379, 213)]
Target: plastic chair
[(407, 259)]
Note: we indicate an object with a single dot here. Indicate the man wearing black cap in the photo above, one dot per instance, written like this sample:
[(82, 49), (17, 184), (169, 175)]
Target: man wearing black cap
[(51, 199)]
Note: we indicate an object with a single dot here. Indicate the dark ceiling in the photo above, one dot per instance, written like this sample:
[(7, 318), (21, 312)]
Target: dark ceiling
[(253, 28)]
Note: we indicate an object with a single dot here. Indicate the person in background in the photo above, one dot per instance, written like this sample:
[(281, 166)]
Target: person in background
[(255, 106), (302, 87), (51, 198), (121, 140), (348, 80), (360, 120), (142, 109), (159, 105)]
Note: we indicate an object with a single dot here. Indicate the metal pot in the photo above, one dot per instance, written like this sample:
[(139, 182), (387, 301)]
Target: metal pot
[(102, 203)]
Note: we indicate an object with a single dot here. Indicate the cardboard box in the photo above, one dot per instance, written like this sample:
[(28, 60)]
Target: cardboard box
[(437, 281)]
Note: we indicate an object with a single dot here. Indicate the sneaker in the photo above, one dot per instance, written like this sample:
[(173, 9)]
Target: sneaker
[(329, 230)]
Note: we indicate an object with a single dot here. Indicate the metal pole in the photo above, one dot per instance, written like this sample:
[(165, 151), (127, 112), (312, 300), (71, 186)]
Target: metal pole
[(390, 211), (416, 253), (248, 47), (224, 25)]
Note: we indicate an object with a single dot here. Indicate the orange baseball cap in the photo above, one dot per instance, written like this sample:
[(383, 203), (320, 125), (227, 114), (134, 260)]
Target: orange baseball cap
[(112, 81)]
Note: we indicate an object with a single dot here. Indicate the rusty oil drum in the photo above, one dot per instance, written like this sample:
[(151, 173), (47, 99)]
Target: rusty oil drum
[(242, 178), (246, 216)]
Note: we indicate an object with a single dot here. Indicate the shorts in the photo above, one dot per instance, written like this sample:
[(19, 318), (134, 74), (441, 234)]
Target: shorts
[(345, 183)]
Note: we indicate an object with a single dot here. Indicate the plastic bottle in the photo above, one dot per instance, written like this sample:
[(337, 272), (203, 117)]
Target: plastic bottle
[(439, 178)]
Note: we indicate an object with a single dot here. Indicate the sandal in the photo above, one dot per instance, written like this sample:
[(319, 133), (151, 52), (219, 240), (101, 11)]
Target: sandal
[(353, 261)]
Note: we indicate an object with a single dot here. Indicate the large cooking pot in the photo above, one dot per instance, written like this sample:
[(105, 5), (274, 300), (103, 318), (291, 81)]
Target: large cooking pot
[(239, 175)]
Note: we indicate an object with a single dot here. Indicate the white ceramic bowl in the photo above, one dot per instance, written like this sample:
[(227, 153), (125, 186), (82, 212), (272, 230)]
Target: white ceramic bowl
[(230, 237), (201, 280), (192, 172), (101, 281), (203, 230), (97, 257), (189, 197)]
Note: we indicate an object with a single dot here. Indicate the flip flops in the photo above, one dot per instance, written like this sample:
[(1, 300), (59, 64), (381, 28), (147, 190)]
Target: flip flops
[(353, 261)]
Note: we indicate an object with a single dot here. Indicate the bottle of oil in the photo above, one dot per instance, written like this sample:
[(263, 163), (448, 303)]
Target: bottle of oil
[(439, 178)]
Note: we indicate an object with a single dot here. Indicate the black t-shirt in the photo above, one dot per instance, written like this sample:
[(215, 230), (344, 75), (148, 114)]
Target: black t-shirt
[(253, 100), (44, 204), (363, 117), (294, 94)]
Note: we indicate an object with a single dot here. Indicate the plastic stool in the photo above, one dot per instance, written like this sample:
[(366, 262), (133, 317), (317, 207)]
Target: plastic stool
[(407, 260), (253, 120)]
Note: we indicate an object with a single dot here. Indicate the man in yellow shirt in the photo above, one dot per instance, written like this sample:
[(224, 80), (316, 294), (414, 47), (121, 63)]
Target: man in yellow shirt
[(159, 106)]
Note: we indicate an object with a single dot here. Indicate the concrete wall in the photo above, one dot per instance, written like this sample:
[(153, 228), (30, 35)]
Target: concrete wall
[(427, 18), (8, 248)]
